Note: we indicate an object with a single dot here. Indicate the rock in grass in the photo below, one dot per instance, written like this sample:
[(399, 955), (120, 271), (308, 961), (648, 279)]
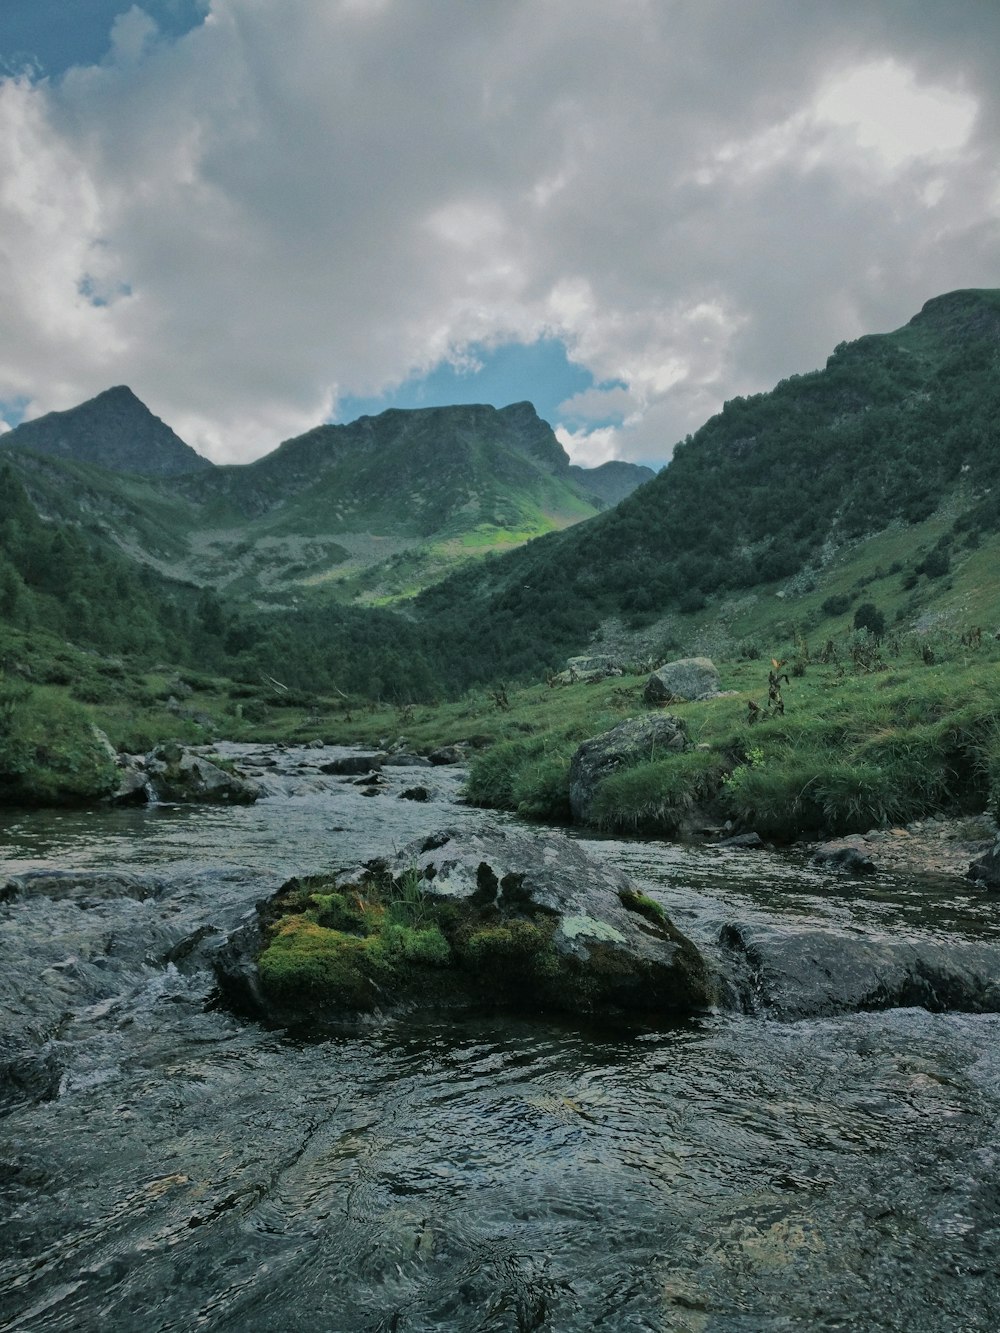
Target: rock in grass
[(687, 678), (502, 917), (633, 741)]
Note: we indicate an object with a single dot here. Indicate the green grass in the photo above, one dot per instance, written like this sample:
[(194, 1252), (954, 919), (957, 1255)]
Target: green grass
[(50, 753)]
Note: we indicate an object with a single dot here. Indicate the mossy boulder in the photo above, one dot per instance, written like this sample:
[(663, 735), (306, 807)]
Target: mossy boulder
[(503, 918)]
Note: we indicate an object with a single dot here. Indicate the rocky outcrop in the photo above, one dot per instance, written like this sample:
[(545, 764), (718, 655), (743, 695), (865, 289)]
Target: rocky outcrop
[(503, 917), (811, 973), (686, 679), (631, 741), (585, 670), (179, 775)]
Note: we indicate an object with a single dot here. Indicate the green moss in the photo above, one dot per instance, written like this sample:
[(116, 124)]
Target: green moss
[(336, 911), (305, 960), (647, 907)]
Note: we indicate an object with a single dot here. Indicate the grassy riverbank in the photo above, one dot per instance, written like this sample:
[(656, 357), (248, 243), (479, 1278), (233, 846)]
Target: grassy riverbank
[(876, 734), (872, 734)]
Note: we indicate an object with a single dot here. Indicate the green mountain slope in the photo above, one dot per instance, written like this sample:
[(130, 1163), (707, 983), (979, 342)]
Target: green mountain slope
[(896, 429), (371, 511)]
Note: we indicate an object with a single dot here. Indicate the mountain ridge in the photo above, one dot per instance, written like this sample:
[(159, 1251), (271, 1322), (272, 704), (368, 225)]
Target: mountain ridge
[(115, 430), (367, 510)]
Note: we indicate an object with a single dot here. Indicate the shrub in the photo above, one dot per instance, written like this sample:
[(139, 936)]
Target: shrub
[(869, 617), (837, 604)]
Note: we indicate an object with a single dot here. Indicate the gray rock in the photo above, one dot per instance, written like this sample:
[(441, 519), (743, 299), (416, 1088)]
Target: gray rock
[(985, 871), (446, 754), (133, 787), (583, 670), (633, 960), (686, 679), (406, 759), (741, 841), (811, 973), (631, 741), (354, 763), (178, 774), (532, 921), (842, 854)]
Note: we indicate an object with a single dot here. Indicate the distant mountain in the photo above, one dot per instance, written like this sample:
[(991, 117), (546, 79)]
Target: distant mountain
[(370, 511), (611, 481), (897, 428), (116, 431)]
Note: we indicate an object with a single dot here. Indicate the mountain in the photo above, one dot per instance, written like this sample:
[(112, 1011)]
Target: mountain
[(899, 432), (367, 512), (115, 430), (868, 488), (611, 482)]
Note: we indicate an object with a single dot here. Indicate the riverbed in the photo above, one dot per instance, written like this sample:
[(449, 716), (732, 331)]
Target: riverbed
[(167, 1165)]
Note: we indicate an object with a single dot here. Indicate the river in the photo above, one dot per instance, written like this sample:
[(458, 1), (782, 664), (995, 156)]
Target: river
[(166, 1165)]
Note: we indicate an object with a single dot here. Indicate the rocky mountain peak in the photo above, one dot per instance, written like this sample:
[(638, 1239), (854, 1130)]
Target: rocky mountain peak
[(114, 430)]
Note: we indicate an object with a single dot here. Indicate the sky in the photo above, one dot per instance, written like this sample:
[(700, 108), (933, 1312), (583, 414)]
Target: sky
[(263, 216)]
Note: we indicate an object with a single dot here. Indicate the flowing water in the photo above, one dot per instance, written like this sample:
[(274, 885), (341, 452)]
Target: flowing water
[(186, 1169)]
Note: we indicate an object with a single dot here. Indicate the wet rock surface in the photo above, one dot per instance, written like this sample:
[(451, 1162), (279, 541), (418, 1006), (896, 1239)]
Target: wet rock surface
[(815, 973)]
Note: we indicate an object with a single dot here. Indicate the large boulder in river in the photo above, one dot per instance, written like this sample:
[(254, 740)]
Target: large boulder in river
[(630, 742), (686, 679), (503, 917), (178, 774)]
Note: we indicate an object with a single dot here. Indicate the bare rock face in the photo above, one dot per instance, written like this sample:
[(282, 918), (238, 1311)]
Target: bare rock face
[(635, 739), (687, 678)]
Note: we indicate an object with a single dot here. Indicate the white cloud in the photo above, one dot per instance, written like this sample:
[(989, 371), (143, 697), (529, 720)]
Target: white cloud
[(301, 201), (888, 111)]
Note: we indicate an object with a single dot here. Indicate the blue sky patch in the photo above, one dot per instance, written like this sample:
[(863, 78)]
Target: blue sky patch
[(50, 36), (539, 372), (12, 410)]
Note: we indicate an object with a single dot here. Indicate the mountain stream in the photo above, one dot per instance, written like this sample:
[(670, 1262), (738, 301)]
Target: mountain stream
[(166, 1165)]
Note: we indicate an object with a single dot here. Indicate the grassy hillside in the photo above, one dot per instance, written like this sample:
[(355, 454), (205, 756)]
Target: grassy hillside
[(897, 435)]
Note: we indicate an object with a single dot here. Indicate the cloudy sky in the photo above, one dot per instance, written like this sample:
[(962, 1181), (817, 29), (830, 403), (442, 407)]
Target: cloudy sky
[(262, 216)]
